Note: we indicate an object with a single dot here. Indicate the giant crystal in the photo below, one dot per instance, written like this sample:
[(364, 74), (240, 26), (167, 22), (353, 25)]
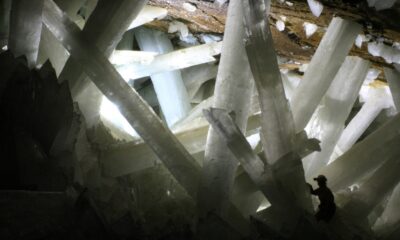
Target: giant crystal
[(169, 87), (328, 121), (322, 69), (277, 122), (233, 90)]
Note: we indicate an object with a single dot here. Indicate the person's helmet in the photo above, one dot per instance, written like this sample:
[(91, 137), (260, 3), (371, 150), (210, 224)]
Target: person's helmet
[(321, 178)]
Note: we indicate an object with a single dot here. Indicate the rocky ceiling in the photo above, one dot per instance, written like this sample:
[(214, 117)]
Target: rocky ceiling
[(292, 43)]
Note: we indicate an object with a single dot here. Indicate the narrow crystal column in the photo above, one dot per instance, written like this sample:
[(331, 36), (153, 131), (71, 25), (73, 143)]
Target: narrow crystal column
[(375, 188), (5, 8), (233, 91), (130, 68), (114, 17), (169, 87), (25, 29), (277, 124), (365, 156), (357, 126), (138, 113), (393, 78), (328, 121), (323, 67)]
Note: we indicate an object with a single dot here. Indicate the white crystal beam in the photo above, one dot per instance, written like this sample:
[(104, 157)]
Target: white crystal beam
[(323, 67), (233, 90), (25, 29), (176, 60), (171, 92), (329, 119), (277, 124), (365, 156), (393, 78)]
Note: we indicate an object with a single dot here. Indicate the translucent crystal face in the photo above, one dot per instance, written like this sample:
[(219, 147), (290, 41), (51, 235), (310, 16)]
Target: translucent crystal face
[(111, 113)]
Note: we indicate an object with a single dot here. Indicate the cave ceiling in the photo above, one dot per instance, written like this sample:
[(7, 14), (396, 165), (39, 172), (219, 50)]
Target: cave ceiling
[(292, 43)]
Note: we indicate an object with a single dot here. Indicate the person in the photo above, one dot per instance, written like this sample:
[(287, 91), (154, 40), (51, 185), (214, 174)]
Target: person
[(327, 206)]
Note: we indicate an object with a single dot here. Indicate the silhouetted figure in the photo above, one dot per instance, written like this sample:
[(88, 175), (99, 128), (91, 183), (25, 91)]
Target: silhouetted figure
[(327, 207)]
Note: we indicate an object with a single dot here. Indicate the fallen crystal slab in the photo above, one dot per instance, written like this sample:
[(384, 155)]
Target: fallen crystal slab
[(135, 65)]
